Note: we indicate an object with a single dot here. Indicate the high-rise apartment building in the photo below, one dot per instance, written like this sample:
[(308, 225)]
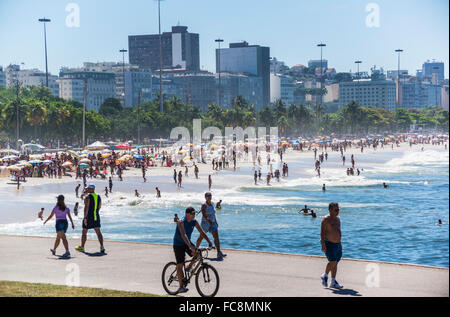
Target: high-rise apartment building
[(368, 93), (433, 72), (180, 49), (2, 77), (250, 60), (100, 86)]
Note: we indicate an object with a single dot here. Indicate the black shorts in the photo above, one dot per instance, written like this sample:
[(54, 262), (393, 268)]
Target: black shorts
[(180, 252), (91, 224)]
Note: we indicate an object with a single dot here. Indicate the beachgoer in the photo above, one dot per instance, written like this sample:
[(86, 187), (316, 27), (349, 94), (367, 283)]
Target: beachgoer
[(75, 209), (219, 205), (182, 243), (77, 189), (91, 220), (110, 184), (324, 188), (209, 224), (330, 235), (196, 171), (136, 193), (305, 210), (158, 193), (180, 178), (41, 214), (385, 185), (106, 191), (255, 177), (175, 175), (60, 211), (209, 182)]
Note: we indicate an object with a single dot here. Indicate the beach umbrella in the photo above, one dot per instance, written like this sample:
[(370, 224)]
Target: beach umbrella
[(187, 158), (67, 164), (182, 152), (151, 155), (15, 168), (24, 163), (139, 157), (47, 162), (106, 155), (10, 157), (214, 146), (85, 161), (35, 162), (84, 166)]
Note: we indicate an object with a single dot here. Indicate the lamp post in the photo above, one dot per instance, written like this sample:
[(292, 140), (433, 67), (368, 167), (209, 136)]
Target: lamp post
[(44, 20), (321, 45), (123, 51), (161, 101), (220, 82), (358, 77), (84, 113), (398, 77)]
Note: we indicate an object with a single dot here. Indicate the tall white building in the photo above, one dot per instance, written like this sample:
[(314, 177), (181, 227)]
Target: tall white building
[(100, 86), (31, 77), (368, 93), (282, 87), (138, 82)]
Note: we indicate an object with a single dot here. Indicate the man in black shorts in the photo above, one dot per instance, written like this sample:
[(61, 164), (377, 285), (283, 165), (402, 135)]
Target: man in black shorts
[(91, 220), (182, 243)]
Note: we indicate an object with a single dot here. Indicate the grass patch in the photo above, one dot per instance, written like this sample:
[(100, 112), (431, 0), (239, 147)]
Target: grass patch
[(20, 289)]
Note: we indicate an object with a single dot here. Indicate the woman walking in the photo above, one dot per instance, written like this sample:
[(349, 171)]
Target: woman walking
[(61, 212)]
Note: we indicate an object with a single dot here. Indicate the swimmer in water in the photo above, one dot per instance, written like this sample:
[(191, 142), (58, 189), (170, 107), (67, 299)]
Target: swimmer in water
[(158, 193), (439, 222), (106, 191), (136, 193), (219, 205), (305, 210), (385, 185), (324, 188), (313, 214)]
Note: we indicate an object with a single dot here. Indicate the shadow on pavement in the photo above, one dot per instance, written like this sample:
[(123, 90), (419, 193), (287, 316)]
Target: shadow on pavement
[(346, 291), (97, 254)]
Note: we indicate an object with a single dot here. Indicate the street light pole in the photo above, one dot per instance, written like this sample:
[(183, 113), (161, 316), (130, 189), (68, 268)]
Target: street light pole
[(44, 20), (398, 78), (161, 101), (220, 82), (18, 86), (358, 77), (321, 45), (84, 113), (123, 51), (139, 118)]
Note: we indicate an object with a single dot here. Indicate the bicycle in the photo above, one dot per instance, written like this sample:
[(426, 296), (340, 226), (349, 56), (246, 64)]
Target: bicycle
[(206, 277)]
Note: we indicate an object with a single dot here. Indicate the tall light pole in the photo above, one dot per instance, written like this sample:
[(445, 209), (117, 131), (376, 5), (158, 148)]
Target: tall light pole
[(123, 51), (85, 92), (358, 76), (44, 20), (18, 87), (220, 82), (398, 78), (321, 45), (161, 101)]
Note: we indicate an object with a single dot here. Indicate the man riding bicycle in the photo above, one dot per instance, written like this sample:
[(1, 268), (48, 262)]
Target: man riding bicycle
[(182, 243)]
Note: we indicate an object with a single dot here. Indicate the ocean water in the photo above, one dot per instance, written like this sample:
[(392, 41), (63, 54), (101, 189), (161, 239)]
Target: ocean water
[(397, 224)]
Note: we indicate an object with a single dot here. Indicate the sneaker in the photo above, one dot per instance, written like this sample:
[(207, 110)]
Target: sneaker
[(81, 249), (66, 255), (102, 249), (182, 290), (335, 284), (53, 251), (220, 255), (324, 280)]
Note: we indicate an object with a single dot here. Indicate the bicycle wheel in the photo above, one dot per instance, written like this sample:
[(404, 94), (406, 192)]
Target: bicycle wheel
[(207, 281), (170, 278)]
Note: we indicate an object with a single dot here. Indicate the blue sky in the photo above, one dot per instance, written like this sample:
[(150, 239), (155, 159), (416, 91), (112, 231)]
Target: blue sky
[(291, 28)]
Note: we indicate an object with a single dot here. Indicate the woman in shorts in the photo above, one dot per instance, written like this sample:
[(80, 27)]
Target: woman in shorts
[(61, 212)]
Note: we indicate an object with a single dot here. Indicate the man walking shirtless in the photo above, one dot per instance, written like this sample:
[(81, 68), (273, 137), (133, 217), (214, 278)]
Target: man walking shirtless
[(330, 237)]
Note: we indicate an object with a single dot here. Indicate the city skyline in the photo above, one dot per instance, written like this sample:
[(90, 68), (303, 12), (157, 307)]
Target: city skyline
[(71, 47)]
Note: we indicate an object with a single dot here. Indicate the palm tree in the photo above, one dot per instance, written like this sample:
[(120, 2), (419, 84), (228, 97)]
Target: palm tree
[(36, 114)]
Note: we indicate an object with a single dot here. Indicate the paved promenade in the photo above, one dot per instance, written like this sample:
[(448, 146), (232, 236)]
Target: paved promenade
[(138, 267)]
